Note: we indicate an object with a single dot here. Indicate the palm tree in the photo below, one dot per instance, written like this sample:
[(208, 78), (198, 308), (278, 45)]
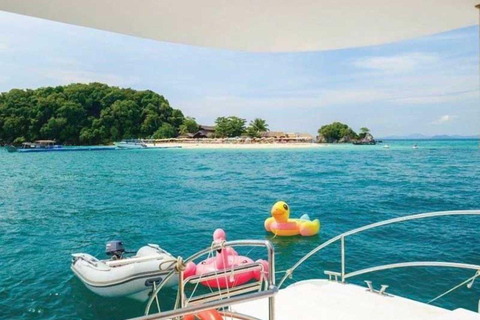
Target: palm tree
[(259, 125)]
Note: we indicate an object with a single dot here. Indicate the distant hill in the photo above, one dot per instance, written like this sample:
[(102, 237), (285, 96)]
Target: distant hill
[(419, 136)]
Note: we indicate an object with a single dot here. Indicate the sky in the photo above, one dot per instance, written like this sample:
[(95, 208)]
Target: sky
[(428, 85)]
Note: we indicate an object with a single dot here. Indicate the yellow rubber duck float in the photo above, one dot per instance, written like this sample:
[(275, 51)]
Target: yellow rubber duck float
[(281, 225)]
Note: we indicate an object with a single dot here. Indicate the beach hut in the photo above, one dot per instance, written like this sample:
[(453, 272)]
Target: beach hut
[(274, 134)]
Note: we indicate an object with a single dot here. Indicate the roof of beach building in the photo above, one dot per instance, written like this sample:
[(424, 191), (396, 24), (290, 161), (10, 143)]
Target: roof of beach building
[(206, 128), (300, 135), (273, 134), (203, 132)]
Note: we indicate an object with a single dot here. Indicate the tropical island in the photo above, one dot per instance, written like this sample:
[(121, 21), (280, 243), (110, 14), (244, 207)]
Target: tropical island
[(338, 132), (98, 114)]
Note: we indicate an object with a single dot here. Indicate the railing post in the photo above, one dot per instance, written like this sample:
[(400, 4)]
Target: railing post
[(180, 268), (271, 280), (343, 258)]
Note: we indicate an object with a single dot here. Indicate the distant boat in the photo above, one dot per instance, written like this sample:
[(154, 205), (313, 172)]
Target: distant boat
[(130, 144), (144, 144), (386, 146), (415, 146), (50, 146)]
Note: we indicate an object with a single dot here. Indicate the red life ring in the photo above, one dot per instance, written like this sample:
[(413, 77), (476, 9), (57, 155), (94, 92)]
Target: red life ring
[(205, 315)]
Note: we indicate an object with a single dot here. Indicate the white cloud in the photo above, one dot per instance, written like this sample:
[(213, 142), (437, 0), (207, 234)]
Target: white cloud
[(444, 119), (397, 63)]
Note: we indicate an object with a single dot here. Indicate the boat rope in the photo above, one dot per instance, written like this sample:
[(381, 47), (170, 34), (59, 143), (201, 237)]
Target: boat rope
[(209, 255), (170, 262), (156, 297), (289, 271), (471, 279), (194, 288)]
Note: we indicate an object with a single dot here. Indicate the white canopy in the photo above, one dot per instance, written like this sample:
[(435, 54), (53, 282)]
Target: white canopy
[(260, 25)]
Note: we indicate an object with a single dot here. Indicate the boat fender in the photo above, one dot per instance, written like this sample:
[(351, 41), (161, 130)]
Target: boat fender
[(205, 315)]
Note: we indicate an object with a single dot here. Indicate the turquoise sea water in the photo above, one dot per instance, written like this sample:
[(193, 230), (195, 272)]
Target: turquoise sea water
[(55, 204)]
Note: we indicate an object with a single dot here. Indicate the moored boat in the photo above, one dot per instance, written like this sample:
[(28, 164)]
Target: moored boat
[(145, 144), (120, 276), (50, 146), (37, 146), (131, 144)]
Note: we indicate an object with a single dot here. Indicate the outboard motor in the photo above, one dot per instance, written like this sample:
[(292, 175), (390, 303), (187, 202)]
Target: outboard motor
[(115, 249)]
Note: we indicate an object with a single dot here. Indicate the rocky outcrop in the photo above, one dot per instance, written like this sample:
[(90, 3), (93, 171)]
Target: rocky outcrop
[(366, 140), (322, 139), (345, 140)]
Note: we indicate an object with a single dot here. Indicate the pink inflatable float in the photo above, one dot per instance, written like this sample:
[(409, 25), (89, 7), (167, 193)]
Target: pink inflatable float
[(225, 259)]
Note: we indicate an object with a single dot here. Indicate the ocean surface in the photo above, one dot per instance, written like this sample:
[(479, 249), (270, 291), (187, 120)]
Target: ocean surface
[(56, 204)]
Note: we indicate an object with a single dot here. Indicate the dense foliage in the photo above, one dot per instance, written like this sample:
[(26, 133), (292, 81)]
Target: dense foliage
[(189, 125), (337, 132), (92, 113), (227, 127), (256, 127)]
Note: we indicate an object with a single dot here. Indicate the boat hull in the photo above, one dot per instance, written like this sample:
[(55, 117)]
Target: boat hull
[(130, 145), (68, 149), (132, 277), (136, 288), (39, 150)]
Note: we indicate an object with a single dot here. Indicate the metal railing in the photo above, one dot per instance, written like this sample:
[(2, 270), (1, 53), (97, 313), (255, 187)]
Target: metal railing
[(220, 298), (270, 293), (254, 291), (344, 235)]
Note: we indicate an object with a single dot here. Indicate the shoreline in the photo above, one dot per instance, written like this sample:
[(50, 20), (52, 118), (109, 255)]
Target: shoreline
[(237, 146)]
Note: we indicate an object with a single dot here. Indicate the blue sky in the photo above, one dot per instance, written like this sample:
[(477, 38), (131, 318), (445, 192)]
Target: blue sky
[(428, 85)]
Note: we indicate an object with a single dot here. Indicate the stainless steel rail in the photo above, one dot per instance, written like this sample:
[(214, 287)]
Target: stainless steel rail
[(414, 264), (213, 301), (270, 293), (344, 235)]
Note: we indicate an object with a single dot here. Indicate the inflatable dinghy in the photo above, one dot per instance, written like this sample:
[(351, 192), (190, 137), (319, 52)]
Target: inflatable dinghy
[(132, 277)]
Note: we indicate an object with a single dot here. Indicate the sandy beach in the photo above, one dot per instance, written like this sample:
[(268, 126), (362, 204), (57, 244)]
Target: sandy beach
[(238, 145)]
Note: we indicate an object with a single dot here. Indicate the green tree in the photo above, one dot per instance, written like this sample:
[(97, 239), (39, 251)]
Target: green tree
[(256, 127), (259, 124), (189, 125), (165, 131), (229, 127), (336, 131)]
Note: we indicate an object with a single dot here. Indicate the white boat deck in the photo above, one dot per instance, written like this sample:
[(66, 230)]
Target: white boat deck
[(322, 299)]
